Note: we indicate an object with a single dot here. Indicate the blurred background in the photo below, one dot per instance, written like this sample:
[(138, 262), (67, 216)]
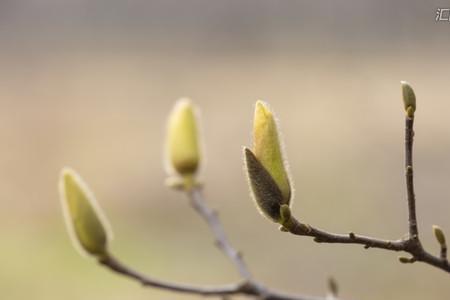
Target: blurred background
[(89, 84)]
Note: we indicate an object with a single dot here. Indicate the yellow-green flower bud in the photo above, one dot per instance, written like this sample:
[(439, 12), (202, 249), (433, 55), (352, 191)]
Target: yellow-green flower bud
[(409, 98), (439, 235), (182, 139), (268, 150), (267, 175), (86, 224)]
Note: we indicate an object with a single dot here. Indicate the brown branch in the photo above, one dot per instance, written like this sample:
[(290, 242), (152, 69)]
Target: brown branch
[(118, 267), (247, 286), (411, 244), (210, 216), (409, 137), (242, 288), (443, 253)]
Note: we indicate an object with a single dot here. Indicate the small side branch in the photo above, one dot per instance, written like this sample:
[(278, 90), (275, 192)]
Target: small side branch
[(409, 137), (118, 267), (443, 253), (242, 288), (411, 244), (247, 287), (210, 216), (321, 236)]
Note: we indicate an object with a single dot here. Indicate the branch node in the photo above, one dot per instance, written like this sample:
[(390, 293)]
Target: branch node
[(409, 170), (414, 237)]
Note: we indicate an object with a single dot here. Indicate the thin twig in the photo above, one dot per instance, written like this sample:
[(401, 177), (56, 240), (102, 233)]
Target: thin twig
[(443, 253), (118, 267), (210, 216), (408, 245), (242, 288), (247, 286), (411, 244), (409, 138)]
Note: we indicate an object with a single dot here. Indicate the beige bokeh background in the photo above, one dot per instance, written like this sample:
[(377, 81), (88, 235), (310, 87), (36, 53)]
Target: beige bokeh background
[(90, 84)]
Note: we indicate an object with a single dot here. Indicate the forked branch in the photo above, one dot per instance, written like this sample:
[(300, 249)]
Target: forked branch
[(411, 244), (211, 218), (271, 188), (90, 229), (248, 286)]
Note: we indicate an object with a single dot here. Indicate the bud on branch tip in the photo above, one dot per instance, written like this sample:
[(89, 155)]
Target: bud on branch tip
[(409, 98), (265, 165), (85, 221), (440, 236), (183, 151)]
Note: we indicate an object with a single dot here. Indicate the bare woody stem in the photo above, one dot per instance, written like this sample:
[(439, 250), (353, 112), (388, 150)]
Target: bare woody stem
[(211, 218), (411, 245), (409, 137), (443, 253), (242, 288), (247, 286)]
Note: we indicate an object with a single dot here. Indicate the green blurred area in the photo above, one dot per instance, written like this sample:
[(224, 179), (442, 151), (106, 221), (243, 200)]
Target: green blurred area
[(89, 85)]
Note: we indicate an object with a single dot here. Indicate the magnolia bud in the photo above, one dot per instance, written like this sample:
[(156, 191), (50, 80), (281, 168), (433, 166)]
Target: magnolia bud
[(267, 148), (439, 235), (265, 166), (86, 224), (182, 139), (409, 98)]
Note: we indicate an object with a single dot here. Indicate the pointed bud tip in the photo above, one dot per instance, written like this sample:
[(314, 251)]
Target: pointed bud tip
[(409, 97), (247, 151), (87, 226), (439, 235), (67, 172), (260, 104), (183, 102), (262, 109), (403, 82), (65, 175), (268, 150)]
